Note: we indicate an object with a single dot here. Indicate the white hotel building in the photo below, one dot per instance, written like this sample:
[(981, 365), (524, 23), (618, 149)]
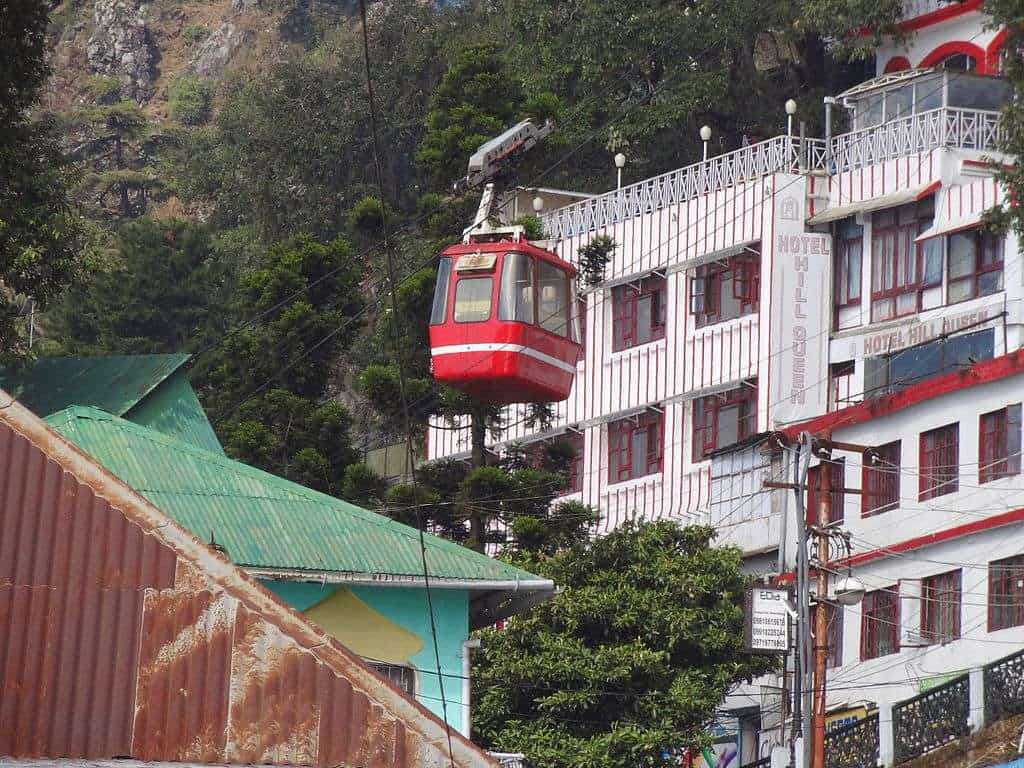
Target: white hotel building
[(797, 280)]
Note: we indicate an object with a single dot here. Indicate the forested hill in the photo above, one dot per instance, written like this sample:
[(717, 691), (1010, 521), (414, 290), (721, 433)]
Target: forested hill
[(221, 172)]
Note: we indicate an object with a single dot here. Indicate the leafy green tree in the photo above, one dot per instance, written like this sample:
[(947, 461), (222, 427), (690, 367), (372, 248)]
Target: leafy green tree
[(628, 663), (267, 384), (476, 100), (190, 100), (1010, 15), (43, 243), (116, 147), (161, 293)]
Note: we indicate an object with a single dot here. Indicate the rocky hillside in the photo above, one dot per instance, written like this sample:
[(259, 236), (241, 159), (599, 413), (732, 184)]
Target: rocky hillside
[(148, 46)]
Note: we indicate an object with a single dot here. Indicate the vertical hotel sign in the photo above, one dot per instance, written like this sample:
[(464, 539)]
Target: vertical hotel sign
[(800, 309)]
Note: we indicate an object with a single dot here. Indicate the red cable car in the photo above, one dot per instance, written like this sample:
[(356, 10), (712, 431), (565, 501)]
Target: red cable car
[(502, 327)]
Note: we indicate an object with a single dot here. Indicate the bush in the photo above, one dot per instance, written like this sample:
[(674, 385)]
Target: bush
[(194, 33), (190, 101)]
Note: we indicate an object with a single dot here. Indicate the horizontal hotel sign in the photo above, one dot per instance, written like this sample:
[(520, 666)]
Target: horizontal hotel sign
[(918, 332)]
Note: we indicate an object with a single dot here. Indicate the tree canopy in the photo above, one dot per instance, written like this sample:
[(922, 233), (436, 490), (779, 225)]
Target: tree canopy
[(626, 666)]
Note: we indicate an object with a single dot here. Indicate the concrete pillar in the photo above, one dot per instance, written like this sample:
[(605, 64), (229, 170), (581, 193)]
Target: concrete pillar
[(886, 740), (976, 713)]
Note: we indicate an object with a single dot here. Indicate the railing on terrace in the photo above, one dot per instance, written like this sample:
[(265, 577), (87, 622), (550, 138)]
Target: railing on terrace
[(509, 759), (782, 154), (914, 8), (853, 746), (943, 127), (931, 719), (1004, 687)]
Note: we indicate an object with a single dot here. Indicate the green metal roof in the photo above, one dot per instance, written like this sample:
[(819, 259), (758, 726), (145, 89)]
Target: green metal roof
[(262, 520), (147, 389), (113, 383)]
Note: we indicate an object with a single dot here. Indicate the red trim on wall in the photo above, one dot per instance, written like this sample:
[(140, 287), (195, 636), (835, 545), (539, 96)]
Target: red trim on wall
[(979, 373), (918, 542), (896, 64), (939, 15), (993, 50), (954, 47)]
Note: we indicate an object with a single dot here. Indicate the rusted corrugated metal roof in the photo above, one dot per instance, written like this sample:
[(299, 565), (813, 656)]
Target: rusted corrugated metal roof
[(124, 636)]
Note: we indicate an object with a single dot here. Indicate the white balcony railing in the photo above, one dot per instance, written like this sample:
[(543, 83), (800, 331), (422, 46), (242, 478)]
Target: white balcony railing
[(944, 127), (779, 155), (509, 759)]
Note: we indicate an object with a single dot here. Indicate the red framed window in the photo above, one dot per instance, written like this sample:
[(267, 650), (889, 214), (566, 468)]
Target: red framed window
[(638, 313), (940, 462), (900, 269), (847, 256), (581, 322), (1006, 593), (880, 623), (840, 389), (723, 419), (974, 265), (940, 607), (837, 479), (574, 482), (834, 614), (999, 444), (635, 446), (880, 480), (726, 290)]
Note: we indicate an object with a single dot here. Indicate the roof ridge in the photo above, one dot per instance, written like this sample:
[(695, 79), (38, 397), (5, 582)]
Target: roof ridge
[(296, 490)]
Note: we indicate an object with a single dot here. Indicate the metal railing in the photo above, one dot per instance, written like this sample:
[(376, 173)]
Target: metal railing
[(1004, 687), (783, 154), (509, 759), (931, 719), (853, 746), (914, 8), (943, 127)]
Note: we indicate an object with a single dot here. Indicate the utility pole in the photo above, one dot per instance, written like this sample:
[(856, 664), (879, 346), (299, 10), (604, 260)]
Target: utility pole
[(821, 610)]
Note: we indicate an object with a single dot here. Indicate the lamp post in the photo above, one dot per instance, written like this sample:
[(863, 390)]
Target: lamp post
[(790, 111), (705, 136), (538, 204), (620, 163)]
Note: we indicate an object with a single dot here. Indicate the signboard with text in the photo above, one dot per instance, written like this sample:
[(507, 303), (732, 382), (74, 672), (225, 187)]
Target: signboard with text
[(766, 620)]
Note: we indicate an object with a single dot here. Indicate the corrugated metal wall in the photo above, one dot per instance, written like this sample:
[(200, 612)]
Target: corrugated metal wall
[(112, 644)]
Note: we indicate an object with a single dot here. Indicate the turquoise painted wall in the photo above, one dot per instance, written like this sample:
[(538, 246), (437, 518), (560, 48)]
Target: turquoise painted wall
[(407, 607)]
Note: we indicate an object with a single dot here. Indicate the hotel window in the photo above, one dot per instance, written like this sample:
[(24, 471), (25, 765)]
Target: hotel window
[(723, 419), (837, 479), (939, 471), (975, 265), (890, 373), (635, 446), (999, 444), (638, 313), (840, 390), (1006, 593), (940, 607), (880, 479), (399, 675), (849, 248), (880, 623), (726, 290), (834, 614), (900, 269)]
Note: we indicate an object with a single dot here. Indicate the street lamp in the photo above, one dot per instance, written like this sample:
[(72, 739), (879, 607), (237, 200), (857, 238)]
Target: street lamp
[(705, 136), (620, 163), (790, 111), (849, 591), (538, 204)]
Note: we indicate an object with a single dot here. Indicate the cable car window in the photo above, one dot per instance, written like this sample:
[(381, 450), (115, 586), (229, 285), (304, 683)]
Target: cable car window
[(440, 306), (515, 302), (473, 299), (553, 307)]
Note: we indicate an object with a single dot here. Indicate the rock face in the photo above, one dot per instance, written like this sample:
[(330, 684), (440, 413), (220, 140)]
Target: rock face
[(121, 47), (218, 48)]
